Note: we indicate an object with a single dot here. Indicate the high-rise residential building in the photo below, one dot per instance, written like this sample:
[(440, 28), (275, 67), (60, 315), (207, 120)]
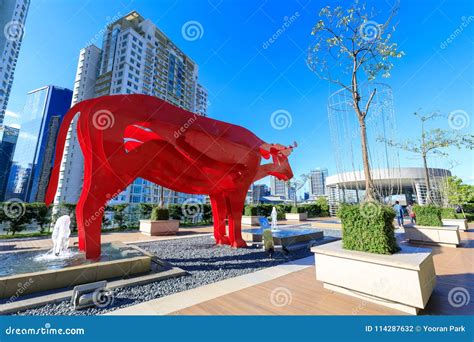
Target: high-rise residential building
[(34, 153), (8, 139), (201, 100), (317, 182), (136, 58), (12, 26)]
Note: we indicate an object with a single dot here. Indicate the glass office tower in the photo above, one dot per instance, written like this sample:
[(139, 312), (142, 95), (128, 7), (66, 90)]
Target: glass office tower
[(8, 139), (34, 153)]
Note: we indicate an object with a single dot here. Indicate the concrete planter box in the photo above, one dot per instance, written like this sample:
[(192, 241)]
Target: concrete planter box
[(251, 220), (160, 227), (461, 223), (447, 236), (403, 281), (296, 217)]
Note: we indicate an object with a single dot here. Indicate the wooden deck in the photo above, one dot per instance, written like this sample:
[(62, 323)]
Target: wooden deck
[(300, 293)]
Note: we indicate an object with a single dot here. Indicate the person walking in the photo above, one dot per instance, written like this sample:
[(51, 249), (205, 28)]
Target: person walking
[(411, 213), (398, 213)]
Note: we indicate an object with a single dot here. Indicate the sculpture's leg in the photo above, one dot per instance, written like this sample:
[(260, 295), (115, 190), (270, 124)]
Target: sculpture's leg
[(90, 211), (235, 204), (219, 214)]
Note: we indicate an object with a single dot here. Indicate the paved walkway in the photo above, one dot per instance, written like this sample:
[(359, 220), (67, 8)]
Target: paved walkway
[(293, 290)]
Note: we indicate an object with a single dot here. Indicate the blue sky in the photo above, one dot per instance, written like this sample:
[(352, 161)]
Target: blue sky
[(248, 82)]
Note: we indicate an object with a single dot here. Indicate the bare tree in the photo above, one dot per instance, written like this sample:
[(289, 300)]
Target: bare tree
[(432, 142), (352, 42), (296, 185)]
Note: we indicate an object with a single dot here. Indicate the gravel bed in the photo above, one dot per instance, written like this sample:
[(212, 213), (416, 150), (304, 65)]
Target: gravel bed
[(205, 262)]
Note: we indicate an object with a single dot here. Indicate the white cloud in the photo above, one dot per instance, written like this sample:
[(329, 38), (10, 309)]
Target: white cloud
[(27, 136), (11, 114)]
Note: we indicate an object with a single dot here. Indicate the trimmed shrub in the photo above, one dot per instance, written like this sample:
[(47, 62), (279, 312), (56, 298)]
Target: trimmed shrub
[(264, 210), (250, 210), (297, 210), (323, 205), (207, 212), (468, 207), (174, 211), (368, 228), (158, 214), (448, 213), (313, 209), (285, 208), (145, 210), (281, 211), (428, 215)]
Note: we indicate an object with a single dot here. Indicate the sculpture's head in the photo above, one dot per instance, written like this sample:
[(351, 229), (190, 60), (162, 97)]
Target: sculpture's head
[(279, 153)]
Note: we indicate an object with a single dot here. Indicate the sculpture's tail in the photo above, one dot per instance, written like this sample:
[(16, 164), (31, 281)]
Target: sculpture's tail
[(60, 142)]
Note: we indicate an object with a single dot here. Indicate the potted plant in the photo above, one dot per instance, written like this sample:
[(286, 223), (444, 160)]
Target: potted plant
[(450, 218), (296, 214), (251, 217), (159, 223), (429, 228), (369, 264)]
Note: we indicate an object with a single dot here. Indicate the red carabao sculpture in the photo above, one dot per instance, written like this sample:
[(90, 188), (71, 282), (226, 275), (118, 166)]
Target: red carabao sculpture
[(124, 137)]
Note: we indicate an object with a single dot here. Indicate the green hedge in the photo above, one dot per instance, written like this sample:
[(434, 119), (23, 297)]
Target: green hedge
[(158, 213), (368, 228), (315, 209), (428, 215), (448, 213), (250, 210), (298, 210)]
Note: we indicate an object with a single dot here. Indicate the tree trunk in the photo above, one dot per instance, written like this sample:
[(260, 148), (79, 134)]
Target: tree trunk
[(162, 197), (369, 184), (427, 179)]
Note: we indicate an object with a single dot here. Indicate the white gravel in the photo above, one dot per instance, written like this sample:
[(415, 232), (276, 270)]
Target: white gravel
[(205, 262)]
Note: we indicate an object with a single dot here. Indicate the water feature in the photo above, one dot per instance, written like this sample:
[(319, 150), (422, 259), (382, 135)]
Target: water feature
[(60, 236), (15, 263), (284, 236), (274, 216)]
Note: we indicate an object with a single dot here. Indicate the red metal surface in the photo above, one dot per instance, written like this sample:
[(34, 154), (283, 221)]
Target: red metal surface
[(124, 137)]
